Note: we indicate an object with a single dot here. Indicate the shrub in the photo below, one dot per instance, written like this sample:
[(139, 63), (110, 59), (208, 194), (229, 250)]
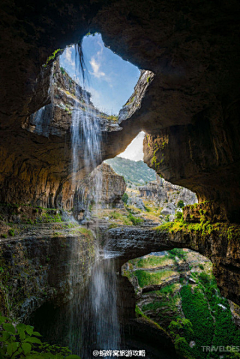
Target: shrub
[(135, 221), (21, 341), (179, 215), (177, 252), (11, 232), (180, 204), (125, 198)]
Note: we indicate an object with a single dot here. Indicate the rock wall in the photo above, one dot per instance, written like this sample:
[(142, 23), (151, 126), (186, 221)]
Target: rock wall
[(218, 242), (46, 264), (167, 196), (103, 188), (202, 157)]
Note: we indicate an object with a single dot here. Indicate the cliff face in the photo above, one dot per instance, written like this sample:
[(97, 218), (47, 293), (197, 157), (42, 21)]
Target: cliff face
[(47, 263), (203, 157), (167, 196), (102, 188)]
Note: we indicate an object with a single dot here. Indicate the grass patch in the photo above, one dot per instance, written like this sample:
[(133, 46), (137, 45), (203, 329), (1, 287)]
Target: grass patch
[(169, 303), (151, 261), (85, 232), (152, 278), (204, 228)]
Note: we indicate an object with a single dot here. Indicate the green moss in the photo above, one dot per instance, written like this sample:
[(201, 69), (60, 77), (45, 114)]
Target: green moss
[(140, 314), (86, 232), (146, 278), (130, 101), (169, 303), (52, 57), (204, 228), (151, 261)]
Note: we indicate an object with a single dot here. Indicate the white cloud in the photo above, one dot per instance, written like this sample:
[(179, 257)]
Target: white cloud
[(96, 68), (68, 56), (134, 150)]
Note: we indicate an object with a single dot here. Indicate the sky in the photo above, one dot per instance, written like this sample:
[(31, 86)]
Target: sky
[(134, 151), (109, 78)]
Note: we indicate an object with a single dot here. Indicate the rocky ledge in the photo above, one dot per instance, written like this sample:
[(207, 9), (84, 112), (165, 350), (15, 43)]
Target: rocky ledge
[(219, 242)]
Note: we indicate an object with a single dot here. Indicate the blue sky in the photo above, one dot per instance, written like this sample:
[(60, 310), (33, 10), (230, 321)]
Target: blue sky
[(109, 79)]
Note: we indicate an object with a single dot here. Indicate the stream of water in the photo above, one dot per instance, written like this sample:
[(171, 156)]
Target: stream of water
[(100, 317)]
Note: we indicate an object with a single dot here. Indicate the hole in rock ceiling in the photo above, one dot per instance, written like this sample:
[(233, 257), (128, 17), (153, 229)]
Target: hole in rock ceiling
[(130, 165), (108, 78)]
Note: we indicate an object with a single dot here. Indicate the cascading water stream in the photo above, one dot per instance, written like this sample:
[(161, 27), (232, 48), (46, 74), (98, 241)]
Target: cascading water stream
[(99, 308)]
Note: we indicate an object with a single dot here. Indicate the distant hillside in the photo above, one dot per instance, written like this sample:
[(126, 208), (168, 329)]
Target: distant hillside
[(136, 172)]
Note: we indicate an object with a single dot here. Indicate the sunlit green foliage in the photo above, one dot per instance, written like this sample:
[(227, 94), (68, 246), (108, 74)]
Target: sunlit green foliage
[(21, 341), (146, 278)]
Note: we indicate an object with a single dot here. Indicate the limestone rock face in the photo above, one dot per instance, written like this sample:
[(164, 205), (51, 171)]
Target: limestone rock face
[(43, 266), (200, 157), (103, 187), (219, 245), (167, 196)]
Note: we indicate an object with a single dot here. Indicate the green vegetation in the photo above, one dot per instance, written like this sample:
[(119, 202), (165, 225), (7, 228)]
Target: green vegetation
[(137, 173), (151, 261), (85, 232), (127, 220), (62, 70), (210, 323), (135, 221), (52, 57), (179, 215), (177, 252), (125, 198), (49, 218), (11, 232), (204, 228), (180, 204), (146, 278), (112, 118), (168, 304), (130, 101), (21, 341), (207, 317), (119, 216), (168, 289)]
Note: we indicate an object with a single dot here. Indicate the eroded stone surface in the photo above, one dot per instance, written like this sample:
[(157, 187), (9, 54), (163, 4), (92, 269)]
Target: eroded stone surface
[(219, 246), (43, 265)]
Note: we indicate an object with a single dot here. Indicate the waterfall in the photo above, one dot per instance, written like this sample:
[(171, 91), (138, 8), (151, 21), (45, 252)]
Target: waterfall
[(86, 134), (104, 304), (99, 327)]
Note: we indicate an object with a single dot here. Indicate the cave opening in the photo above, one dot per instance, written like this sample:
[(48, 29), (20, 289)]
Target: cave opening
[(106, 76)]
